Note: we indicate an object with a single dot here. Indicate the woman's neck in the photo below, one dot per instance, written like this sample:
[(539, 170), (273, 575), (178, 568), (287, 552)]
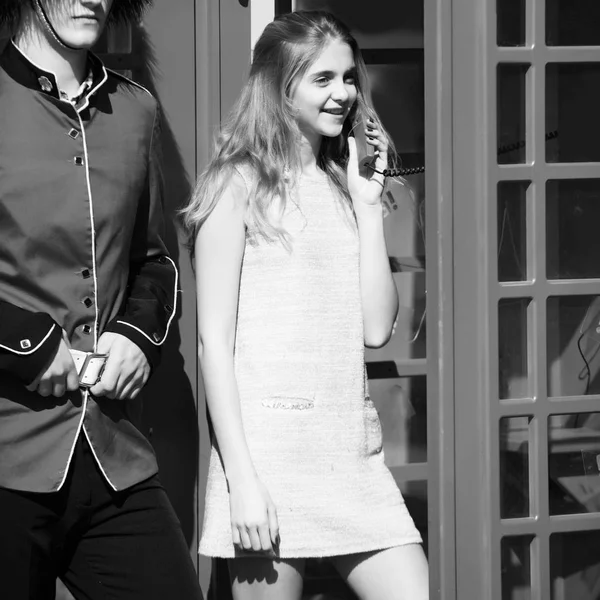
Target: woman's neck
[(68, 66), (309, 151)]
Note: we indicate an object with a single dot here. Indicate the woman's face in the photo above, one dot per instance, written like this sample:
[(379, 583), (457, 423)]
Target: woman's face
[(79, 23), (326, 92)]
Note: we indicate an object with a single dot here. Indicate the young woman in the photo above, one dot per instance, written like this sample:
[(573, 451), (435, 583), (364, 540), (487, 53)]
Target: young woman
[(293, 280)]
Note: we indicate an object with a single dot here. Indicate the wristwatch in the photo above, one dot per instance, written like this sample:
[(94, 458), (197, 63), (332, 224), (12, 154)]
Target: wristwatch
[(89, 367)]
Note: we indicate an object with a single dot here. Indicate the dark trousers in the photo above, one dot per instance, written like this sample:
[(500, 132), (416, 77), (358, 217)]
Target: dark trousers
[(104, 545)]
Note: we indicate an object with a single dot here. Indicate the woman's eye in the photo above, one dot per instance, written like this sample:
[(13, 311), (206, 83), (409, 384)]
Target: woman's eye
[(350, 80), (322, 81)]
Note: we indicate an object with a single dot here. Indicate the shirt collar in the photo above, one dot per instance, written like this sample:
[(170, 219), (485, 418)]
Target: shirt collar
[(80, 95), (23, 70)]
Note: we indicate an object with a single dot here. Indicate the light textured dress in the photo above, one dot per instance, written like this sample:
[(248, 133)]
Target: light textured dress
[(313, 433)]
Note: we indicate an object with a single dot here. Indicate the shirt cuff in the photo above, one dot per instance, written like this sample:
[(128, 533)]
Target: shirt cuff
[(27, 357), (138, 337)]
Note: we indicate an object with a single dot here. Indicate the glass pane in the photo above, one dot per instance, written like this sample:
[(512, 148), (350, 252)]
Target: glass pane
[(404, 229), (514, 467), (388, 24), (510, 21), (575, 565), (516, 568), (572, 22), (402, 407), (399, 98), (512, 230), (513, 353), (572, 240), (574, 463), (573, 346), (511, 113), (572, 100)]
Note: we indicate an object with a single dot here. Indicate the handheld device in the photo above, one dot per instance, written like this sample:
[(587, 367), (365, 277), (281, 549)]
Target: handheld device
[(365, 151), (90, 367)]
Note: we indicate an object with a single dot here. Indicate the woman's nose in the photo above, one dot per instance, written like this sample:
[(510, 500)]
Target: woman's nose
[(340, 93)]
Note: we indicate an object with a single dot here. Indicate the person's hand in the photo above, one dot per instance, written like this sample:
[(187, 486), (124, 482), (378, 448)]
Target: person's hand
[(254, 524), (364, 184), (59, 376), (126, 371)]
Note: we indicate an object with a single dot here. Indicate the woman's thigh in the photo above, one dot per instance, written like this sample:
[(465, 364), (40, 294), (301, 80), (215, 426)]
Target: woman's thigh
[(399, 573), (266, 579)]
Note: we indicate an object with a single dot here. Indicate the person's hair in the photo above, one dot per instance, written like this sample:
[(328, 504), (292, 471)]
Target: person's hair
[(260, 135), (121, 11)]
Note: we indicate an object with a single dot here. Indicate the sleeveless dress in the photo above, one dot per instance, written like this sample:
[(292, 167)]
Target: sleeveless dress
[(313, 433)]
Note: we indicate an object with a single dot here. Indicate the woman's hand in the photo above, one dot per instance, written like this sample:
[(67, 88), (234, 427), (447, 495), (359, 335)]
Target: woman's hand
[(364, 184), (254, 525)]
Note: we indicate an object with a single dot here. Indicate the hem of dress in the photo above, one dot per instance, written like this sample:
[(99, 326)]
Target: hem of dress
[(317, 554)]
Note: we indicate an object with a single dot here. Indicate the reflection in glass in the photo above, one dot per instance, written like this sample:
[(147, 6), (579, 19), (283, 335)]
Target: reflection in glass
[(516, 567), (572, 23), (511, 118), (399, 98), (572, 220), (402, 407), (386, 24), (514, 467), (405, 235), (409, 338), (573, 345), (512, 230), (575, 565), (513, 352), (574, 463), (510, 20), (572, 100)]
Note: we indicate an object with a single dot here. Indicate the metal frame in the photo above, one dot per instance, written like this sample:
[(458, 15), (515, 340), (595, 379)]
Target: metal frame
[(479, 411), (440, 302), (472, 220), (539, 524)]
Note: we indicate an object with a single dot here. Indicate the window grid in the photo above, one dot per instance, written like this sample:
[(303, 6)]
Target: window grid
[(539, 524)]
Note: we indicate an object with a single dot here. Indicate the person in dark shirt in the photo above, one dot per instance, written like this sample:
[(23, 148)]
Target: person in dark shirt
[(87, 295)]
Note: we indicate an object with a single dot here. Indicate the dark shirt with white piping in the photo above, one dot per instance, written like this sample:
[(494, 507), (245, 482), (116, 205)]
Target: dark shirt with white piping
[(81, 253)]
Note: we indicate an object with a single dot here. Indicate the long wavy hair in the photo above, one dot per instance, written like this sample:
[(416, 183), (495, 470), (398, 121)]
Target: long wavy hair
[(261, 135), (121, 11)]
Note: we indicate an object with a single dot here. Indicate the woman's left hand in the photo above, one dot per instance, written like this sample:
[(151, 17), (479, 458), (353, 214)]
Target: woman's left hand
[(364, 184)]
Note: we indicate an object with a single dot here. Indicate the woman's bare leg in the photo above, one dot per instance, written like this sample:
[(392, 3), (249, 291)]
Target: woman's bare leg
[(399, 573)]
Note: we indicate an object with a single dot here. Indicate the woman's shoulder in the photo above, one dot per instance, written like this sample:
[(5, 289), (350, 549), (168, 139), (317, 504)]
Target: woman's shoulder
[(246, 173)]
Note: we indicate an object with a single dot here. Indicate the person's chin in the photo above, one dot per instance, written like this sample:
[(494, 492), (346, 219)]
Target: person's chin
[(82, 40), (331, 132)]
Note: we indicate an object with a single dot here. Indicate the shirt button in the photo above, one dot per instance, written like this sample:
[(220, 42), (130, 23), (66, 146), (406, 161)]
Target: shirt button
[(169, 308), (156, 337), (162, 260), (87, 329), (73, 134), (25, 344), (86, 273), (87, 302), (78, 160)]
